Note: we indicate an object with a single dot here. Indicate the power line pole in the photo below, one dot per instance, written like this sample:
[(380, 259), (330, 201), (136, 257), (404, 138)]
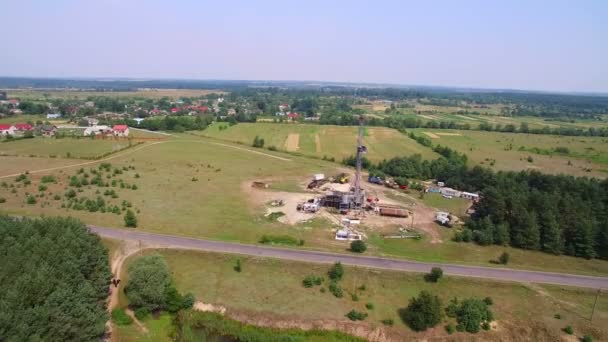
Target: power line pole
[(595, 303)]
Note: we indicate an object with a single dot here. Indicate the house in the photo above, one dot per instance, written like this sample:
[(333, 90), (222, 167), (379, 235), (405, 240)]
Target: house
[(97, 130), (7, 130), (92, 121), (47, 130), (470, 196), (23, 127), (53, 115), (283, 106), (293, 116), (121, 130), (449, 192)]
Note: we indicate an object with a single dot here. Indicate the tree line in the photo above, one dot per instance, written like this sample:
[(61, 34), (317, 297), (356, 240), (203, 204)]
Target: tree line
[(54, 281), (556, 214)]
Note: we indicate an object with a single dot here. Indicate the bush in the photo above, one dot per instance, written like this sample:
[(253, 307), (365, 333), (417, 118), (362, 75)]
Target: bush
[(354, 315), (130, 219), (423, 312), (471, 314), (434, 276), (258, 142), (120, 317), (587, 338), (335, 289), (238, 267), (388, 321), (70, 193), (141, 313), (354, 297), (504, 258), (336, 272), (42, 187), (48, 179), (450, 329), (557, 316), (31, 199), (358, 246), (369, 306), (569, 330), (311, 281), (281, 240), (488, 301)]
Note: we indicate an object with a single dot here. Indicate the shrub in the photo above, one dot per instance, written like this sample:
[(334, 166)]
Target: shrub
[(388, 321), (238, 267), (557, 316), (2, 200), (369, 306), (336, 272), (335, 289), (485, 326), (42, 187), (434, 276), (471, 314), (311, 281), (281, 240), (130, 219), (504, 258), (133, 187), (48, 179), (141, 313), (569, 330), (354, 297), (354, 315), (488, 301), (423, 312), (587, 338), (31, 199), (56, 197), (358, 246), (450, 329), (120, 317), (70, 193)]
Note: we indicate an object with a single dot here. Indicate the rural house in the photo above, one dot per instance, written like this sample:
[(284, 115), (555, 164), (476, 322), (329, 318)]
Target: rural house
[(47, 130), (21, 128), (53, 115), (97, 130), (121, 130)]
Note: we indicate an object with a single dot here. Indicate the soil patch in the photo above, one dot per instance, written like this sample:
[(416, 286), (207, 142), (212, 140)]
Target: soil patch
[(449, 134), (292, 143), (432, 135)]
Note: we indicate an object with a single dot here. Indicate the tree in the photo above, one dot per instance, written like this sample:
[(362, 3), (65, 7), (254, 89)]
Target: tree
[(149, 282), (130, 219), (434, 276), (57, 275), (504, 258), (423, 312), (471, 314), (358, 246), (336, 272)]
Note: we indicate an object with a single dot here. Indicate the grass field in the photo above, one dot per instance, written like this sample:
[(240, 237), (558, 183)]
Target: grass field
[(510, 151), (44, 95), (270, 290), (49, 147), (320, 140), (167, 200)]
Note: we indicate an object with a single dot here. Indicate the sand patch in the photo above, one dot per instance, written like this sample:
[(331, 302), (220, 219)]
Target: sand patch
[(317, 143), (467, 117), (292, 143), (432, 135), (449, 134), (200, 306)]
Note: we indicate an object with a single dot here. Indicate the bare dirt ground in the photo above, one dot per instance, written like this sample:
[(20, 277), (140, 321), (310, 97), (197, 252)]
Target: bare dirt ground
[(449, 134), (292, 143), (432, 135), (317, 143)]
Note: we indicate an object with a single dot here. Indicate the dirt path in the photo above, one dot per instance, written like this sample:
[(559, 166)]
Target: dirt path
[(432, 135), (317, 143), (449, 134), (292, 143)]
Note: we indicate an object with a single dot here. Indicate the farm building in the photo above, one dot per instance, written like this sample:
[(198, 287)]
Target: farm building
[(53, 115), (450, 192), (7, 130), (23, 127), (47, 130), (121, 130), (469, 196), (97, 130)]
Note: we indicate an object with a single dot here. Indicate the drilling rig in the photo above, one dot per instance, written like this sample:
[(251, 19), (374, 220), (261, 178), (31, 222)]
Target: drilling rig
[(359, 200)]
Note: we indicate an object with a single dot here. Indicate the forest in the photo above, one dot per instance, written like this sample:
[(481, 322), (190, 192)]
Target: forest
[(556, 214), (53, 281)]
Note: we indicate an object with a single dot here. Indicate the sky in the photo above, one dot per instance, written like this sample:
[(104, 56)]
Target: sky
[(551, 45)]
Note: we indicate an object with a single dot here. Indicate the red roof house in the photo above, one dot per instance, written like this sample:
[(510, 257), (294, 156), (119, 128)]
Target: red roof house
[(24, 127), (174, 110), (293, 116), (121, 130)]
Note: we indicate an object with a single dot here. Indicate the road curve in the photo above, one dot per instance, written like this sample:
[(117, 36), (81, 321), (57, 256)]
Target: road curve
[(364, 261)]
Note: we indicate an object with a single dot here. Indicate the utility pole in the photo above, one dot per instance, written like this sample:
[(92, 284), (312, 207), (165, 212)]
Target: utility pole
[(595, 303)]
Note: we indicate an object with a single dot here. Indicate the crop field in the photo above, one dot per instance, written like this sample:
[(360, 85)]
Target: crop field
[(579, 156), (270, 290), (63, 148), (322, 140), (44, 95)]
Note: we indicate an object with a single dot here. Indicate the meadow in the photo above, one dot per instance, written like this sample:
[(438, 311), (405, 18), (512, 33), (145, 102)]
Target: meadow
[(321, 140), (579, 156), (269, 290), (85, 148), (201, 188), (72, 94)]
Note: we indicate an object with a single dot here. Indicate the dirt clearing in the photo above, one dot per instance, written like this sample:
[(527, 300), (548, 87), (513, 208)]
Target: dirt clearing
[(432, 135), (449, 134), (292, 143), (317, 143)]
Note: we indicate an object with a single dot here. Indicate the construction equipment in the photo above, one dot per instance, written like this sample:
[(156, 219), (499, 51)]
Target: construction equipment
[(375, 180)]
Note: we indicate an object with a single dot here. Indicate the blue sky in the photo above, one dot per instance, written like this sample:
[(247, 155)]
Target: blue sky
[(541, 45)]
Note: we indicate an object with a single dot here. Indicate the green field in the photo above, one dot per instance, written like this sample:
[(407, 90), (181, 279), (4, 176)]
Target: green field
[(168, 200), (270, 290), (62, 148), (510, 151), (322, 140)]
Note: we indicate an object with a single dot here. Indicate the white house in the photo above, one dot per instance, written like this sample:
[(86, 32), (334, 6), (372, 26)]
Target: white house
[(469, 195), (53, 115), (450, 192), (95, 130)]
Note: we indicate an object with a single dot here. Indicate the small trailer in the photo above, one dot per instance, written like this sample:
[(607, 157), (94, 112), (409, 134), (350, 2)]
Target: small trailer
[(393, 211)]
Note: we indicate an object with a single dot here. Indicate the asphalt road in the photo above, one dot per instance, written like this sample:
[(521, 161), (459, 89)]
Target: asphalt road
[(364, 261)]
